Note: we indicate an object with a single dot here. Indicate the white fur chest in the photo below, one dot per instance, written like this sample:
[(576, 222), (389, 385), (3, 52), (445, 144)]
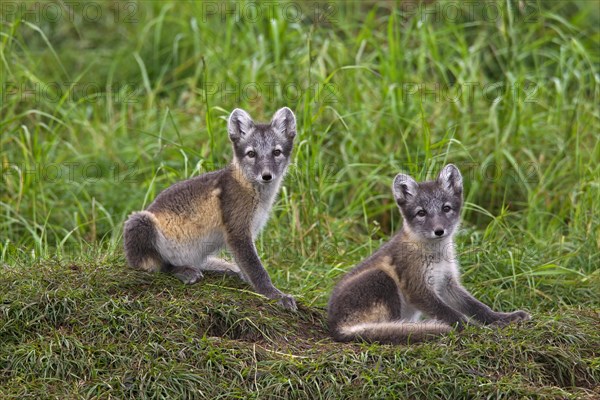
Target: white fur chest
[(439, 267), (263, 208), (261, 216)]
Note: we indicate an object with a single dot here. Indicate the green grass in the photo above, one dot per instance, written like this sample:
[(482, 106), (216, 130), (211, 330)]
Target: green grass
[(97, 330), (100, 114)]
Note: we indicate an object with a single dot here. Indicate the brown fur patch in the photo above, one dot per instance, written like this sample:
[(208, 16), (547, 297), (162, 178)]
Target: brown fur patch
[(150, 265), (239, 177), (350, 280), (203, 217), (379, 312), (386, 266)]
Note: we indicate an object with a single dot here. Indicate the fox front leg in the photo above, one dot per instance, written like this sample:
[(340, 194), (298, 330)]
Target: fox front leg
[(466, 303), (245, 255), (432, 304)]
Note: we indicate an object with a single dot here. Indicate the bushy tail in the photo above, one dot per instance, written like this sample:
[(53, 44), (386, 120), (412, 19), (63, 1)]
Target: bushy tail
[(397, 332), (139, 239)]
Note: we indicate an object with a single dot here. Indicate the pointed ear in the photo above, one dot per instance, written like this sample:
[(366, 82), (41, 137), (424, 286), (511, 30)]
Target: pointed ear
[(239, 125), (284, 123), (450, 179), (404, 187)]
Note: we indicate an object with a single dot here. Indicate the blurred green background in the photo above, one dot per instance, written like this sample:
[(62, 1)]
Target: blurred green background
[(105, 103)]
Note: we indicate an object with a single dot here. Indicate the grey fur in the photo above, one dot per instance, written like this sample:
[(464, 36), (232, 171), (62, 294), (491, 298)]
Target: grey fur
[(416, 272), (190, 221)]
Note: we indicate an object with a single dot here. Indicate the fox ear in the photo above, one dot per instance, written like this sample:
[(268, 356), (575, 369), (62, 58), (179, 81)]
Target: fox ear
[(284, 123), (239, 125), (404, 187), (450, 179)]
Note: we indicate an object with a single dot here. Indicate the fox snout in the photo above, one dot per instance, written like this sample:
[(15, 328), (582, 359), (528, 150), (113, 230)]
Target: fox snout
[(265, 171), (438, 227), (266, 176)]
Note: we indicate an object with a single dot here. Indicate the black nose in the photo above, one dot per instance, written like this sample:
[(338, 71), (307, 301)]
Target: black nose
[(439, 232), (267, 177)]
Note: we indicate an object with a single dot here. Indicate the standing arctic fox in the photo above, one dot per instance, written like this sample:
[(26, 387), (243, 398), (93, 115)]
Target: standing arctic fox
[(382, 299), (190, 221)]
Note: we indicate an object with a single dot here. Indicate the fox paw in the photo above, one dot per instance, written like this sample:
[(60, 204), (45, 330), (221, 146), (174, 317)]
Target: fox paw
[(518, 316), (189, 275), (287, 302), (515, 316)]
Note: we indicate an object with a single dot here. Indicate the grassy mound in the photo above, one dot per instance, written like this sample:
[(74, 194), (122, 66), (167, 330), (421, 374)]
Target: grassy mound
[(102, 330)]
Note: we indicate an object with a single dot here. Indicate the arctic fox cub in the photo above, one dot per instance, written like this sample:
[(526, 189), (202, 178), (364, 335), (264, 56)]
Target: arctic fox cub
[(190, 221), (416, 272)]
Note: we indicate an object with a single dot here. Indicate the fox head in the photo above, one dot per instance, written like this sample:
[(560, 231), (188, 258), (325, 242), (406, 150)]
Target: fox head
[(262, 151), (431, 210)]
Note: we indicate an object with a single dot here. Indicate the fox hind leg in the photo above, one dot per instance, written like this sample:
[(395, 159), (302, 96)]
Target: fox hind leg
[(139, 238), (142, 252), (186, 274), (215, 264), (191, 274)]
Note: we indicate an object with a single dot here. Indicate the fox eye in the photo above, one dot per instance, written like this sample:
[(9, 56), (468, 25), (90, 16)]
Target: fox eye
[(251, 154), (421, 213), (277, 153), (446, 209)]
